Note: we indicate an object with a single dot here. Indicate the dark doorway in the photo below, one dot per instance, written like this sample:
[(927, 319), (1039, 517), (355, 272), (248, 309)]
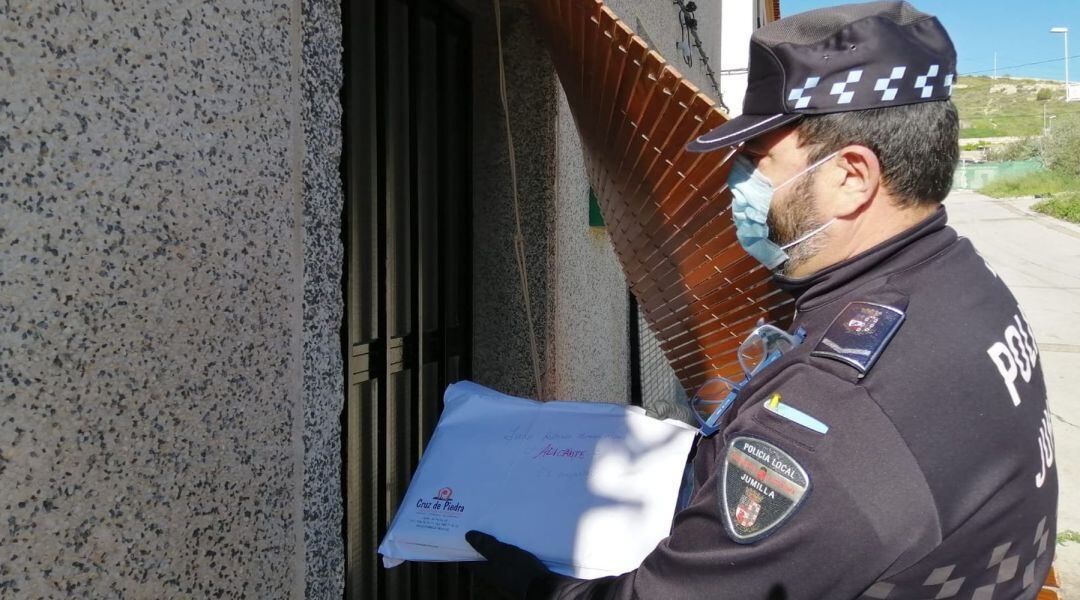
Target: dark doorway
[(408, 173)]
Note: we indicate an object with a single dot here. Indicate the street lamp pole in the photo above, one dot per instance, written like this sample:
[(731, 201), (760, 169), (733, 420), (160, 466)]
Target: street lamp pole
[(1065, 31)]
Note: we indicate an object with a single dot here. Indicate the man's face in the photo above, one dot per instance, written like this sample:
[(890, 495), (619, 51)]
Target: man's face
[(794, 211)]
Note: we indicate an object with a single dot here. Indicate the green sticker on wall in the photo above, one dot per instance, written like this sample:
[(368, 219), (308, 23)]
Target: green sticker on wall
[(596, 218)]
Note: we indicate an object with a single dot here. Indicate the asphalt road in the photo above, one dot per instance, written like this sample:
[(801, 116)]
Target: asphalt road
[(1039, 258)]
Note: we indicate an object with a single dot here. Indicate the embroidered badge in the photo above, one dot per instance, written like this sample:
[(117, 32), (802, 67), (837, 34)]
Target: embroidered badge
[(864, 319), (761, 488), (859, 334)]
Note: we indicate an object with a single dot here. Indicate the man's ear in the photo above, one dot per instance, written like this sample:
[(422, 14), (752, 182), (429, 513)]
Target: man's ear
[(858, 176)]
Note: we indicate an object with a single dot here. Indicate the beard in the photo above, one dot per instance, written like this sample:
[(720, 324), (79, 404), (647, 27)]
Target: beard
[(797, 217)]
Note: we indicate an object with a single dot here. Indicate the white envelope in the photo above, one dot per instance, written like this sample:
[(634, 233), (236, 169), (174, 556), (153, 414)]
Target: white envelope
[(589, 488)]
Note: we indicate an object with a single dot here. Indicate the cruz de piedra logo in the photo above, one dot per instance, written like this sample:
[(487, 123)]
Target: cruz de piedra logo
[(442, 502)]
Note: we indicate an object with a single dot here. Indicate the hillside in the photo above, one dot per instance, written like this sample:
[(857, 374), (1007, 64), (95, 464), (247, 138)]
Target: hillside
[(1008, 106)]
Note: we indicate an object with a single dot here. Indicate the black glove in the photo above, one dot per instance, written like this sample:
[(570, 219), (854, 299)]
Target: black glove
[(512, 570)]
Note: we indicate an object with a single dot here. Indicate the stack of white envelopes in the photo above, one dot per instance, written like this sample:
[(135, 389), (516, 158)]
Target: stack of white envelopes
[(589, 488)]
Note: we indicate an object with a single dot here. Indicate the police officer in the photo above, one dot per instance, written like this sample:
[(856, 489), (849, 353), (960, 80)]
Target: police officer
[(903, 449)]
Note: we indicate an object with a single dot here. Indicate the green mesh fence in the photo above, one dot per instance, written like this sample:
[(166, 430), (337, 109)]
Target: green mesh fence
[(972, 176)]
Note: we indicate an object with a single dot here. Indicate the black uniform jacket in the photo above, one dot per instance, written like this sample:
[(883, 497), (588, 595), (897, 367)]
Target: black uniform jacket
[(934, 475)]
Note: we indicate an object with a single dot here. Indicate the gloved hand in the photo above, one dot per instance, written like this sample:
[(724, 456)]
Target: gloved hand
[(509, 568)]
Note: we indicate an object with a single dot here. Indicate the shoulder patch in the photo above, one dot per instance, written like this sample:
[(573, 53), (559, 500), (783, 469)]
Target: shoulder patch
[(859, 334), (761, 487)]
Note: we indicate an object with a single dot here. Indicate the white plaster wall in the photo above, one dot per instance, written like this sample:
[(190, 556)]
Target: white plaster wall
[(734, 32)]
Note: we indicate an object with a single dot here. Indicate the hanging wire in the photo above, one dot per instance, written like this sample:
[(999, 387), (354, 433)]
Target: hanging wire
[(519, 237), (688, 23), (1028, 64)]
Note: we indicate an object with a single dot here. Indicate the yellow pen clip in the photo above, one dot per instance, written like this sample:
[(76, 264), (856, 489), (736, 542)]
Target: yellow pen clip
[(774, 400), (793, 414)]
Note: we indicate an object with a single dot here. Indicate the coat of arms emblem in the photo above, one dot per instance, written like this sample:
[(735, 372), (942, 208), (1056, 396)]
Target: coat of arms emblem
[(863, 321), (746, 513)]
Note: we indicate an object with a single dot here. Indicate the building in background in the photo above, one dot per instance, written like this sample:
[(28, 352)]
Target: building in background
[(739, 20), (243, 248), (1072, 92)]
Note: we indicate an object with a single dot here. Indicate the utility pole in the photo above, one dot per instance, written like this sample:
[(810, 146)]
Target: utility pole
[(1064, 30), (995, 65)]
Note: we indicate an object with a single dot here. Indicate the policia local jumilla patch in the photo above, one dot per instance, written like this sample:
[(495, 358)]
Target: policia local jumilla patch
[(761, 487)]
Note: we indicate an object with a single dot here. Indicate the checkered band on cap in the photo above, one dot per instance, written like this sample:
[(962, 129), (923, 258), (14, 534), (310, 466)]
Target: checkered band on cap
[(870, 87)]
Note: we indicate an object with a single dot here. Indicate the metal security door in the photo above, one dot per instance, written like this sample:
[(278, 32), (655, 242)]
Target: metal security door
[(407, 237)]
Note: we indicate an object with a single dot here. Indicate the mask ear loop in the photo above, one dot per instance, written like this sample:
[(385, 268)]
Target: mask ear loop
[(730, 155), (732, 151), (809, 235), (818, 229), (806, 170)]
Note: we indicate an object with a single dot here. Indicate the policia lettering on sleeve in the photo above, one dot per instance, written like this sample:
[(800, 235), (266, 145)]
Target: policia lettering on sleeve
[(867, 460)]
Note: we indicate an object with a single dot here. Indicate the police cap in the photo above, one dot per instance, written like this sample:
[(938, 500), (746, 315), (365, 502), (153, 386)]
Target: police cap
[(850, 57)]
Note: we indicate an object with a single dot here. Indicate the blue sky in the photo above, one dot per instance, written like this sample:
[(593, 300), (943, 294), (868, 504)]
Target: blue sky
[(1017, 30)]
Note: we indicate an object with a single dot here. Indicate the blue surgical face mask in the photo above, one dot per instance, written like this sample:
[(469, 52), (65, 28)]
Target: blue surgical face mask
[(752, 196)]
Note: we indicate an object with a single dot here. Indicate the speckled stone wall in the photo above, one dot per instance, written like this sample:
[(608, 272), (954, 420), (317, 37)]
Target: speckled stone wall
[(170, 286), (502, 356), (324, 392), (151, 270), (589, 334)]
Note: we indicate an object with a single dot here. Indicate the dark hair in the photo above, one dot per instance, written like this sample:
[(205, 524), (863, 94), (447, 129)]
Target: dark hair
[(917, 144)]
